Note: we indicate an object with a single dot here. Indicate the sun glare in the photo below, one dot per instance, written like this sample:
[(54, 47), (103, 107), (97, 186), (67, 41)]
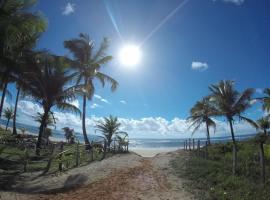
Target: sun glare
[(130, 55)]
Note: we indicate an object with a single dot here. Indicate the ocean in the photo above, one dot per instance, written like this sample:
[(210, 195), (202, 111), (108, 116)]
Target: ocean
[(134, 143)]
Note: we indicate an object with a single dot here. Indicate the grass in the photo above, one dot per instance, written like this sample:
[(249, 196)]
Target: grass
[(212, 178), (12, 158)]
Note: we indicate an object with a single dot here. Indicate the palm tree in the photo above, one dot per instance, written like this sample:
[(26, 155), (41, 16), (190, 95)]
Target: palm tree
[(266, 100), (201, 114), (230, 103), (88, 63), (109, 127), (19, 30), (262, 124), (69, 133), (8, 114), (47, 83), (122, 140)]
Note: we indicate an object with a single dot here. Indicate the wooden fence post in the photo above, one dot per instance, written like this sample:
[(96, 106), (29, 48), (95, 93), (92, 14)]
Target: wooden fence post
[(206, 149), (92, 151), (25, 160), (189, 144), (104, 149), (77, 154), (193, 143), (49, 161), (60, 166), (198, 147), (114, 147)]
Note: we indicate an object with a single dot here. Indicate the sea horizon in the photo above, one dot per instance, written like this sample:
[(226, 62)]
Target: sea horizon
[(134, 142)]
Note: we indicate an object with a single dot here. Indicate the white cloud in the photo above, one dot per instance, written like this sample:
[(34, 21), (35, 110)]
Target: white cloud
[(29, 108), (201, 66), (75, 103), (69, 9), (236, 2), (95, 105), (151, 127), (123, 102), (101, 99), (259, 90)]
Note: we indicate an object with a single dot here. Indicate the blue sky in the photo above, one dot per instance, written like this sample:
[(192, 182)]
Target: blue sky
[(203, 42)]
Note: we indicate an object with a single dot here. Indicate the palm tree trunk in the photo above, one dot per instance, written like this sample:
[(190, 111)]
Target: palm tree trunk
[(15, 111), (41, 130), (265, 132), (86, 141), (7, 124), (208, 134), (3, 97), (234, 149), (262, 163)]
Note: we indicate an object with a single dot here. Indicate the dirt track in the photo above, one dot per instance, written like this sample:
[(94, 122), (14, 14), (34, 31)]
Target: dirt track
[(151, 179)]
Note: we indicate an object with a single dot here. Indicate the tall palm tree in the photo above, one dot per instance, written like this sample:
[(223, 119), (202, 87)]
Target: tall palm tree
[(19, 30), (201, 114), (262, 124), (47, 83), (8, 114), (88, 63), (109, 127), (230, 103)]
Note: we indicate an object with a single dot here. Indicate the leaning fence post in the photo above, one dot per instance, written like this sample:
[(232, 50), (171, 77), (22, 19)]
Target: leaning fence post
[(60, 166), (206, 149), (198, 147), (49, 161), (114, 147), (77, 154), (92, 151), (104, 149), (25, 160)]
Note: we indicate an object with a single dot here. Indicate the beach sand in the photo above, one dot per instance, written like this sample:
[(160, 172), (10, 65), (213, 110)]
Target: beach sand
[(120, 177), (151, 152)]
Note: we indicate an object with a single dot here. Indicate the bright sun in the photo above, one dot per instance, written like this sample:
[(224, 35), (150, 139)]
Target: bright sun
[(130, 55)]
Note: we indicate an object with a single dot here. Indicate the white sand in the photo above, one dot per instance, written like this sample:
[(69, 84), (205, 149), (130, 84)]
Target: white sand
[(151, 152)]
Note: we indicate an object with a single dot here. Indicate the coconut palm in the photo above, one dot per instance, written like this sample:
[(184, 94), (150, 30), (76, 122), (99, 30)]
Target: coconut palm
[(51, 121), (266, 100), (109, 127), (88, 63), (47, 83), (8, 114), (19, 30), (69, 133), (200, 114), (230, 103), (122, 140), (262, 124)]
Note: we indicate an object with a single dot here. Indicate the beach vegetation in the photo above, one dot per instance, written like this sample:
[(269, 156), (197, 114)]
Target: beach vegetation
[(110, 128)]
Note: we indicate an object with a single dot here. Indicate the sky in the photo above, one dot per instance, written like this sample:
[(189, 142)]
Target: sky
[(186, 45)]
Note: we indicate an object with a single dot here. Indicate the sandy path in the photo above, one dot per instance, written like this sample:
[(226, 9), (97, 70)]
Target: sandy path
[(140, 179)]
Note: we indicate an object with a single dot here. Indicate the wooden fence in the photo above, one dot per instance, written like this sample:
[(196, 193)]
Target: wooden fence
[(61, 156), (199, 146)]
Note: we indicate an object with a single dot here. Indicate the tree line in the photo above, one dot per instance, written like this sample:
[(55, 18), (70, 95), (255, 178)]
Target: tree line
[(53, 81)]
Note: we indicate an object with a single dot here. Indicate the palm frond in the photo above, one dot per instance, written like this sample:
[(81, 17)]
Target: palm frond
[(68, 107), (103, 78)]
